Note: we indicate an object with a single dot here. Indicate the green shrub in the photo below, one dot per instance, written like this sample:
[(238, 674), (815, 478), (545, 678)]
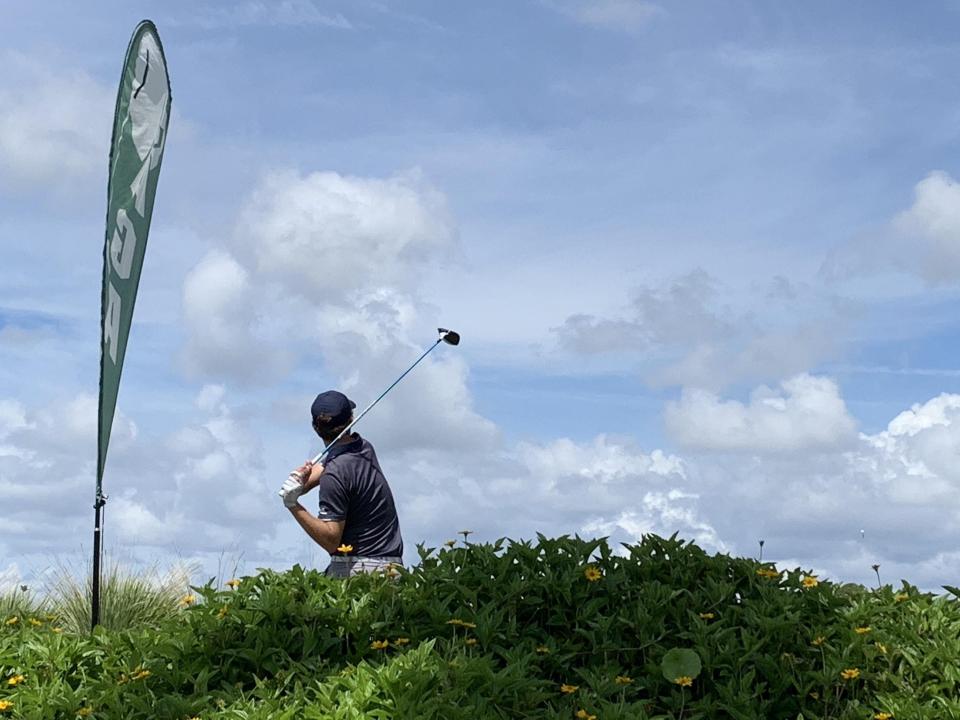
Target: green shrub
[(558, 629)]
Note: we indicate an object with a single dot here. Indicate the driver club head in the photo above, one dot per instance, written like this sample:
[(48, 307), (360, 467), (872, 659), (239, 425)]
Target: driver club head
[(449, 336)]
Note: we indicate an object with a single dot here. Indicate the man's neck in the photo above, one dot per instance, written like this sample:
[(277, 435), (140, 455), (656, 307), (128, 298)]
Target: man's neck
[(345, 438)]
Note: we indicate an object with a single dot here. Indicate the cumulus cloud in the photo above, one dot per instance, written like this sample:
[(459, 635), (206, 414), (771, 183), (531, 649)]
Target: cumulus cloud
[(678, 312), (891, 498), (683, 332), (604, 486), (922, 241), (329, 237), (229, 323), (54, 124), (203, 487), (327, 268), (807, 412)]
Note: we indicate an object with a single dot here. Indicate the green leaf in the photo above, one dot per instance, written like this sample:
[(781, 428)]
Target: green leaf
[(680, 662)]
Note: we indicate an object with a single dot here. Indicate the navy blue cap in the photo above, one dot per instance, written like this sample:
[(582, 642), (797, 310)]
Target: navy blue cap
[(332, 408)]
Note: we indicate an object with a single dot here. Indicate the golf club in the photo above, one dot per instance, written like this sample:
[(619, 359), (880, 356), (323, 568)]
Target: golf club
[(448, 336)]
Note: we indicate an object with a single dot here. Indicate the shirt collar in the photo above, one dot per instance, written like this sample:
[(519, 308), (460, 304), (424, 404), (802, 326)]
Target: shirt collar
[(345, 447)]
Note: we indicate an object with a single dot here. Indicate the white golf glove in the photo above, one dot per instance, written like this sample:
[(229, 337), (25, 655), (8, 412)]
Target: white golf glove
[(291, 490)]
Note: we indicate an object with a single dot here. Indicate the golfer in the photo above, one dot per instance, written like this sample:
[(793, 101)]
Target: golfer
[(357, 523)]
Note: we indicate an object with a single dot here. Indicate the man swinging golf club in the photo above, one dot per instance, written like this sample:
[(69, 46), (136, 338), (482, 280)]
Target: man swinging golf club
[(357, 523)]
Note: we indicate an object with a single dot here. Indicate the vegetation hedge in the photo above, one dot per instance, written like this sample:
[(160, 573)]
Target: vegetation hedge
[(562, 628)]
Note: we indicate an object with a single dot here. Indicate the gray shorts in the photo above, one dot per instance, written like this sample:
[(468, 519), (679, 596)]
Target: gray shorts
[(342, 566)]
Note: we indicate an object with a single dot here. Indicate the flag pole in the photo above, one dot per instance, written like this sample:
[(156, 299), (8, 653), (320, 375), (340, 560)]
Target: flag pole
[(140, 121), (97, 554)]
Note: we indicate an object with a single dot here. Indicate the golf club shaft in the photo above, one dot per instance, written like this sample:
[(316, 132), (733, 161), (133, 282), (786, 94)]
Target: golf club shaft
[(347, 429)]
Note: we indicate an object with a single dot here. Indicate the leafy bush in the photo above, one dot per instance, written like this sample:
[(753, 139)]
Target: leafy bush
[(558, 629)]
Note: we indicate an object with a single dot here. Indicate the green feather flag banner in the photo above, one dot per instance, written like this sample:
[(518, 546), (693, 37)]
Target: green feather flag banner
[(139, 136)]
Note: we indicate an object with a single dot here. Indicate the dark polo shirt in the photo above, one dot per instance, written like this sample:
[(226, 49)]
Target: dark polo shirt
[(354, 490)]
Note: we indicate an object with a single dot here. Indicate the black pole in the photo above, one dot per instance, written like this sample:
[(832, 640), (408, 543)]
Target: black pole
[(97, 529)]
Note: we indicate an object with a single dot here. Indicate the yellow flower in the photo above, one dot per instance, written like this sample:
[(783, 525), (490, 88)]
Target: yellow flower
[(810, 581), (819, 640), (223, 612), (84, 711), (707, 616), (543, 649), (471, 641), (141, 675), (379, 644), (13, 621), (569, 688), (850, 674), (584, 715), (461, 623), (187, 600), (881, 647), (345, 548), (623, 680), (768, 573), (592, 574), (883, 716), (233, 583), (861, 630), (401, 641), (684, 681), (5, 705), (56, 630), (35, 622), (450, 543), (16, 680), (900, 597)]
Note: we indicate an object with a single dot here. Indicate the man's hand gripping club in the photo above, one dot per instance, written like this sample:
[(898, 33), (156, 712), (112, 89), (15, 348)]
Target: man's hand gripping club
[(301, 481)]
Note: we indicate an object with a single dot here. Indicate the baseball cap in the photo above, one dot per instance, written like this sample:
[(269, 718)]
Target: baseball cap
[(332, 408)]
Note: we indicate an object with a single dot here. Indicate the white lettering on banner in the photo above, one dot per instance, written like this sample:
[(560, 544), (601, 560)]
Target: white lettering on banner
[(139, 188), (123, 245), (111, 322)]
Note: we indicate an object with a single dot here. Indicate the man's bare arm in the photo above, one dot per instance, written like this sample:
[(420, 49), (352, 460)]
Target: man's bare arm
[(326, 533)]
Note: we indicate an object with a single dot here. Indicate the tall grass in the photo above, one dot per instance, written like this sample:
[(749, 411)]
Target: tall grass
[(128, 598), (20, 602)]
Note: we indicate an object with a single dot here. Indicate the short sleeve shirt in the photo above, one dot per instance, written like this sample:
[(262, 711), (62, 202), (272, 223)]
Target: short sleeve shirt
[(353, 490)]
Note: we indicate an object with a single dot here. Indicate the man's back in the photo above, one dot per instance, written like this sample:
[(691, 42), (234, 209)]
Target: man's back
[(354, 490)]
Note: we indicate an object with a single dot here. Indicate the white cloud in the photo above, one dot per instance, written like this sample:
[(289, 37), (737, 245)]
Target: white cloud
[(622, 15), (807, 412), (691, 331), (9, 578), (930, 230), (900, 485), (54, 124), (294, 13), (605, 485), (922, 241), (329, 237), (677, 312), (327, 269), (227, 323), (12, 417)]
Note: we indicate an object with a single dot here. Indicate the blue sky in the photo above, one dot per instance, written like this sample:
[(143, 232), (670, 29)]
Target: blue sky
[(703, 257)]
